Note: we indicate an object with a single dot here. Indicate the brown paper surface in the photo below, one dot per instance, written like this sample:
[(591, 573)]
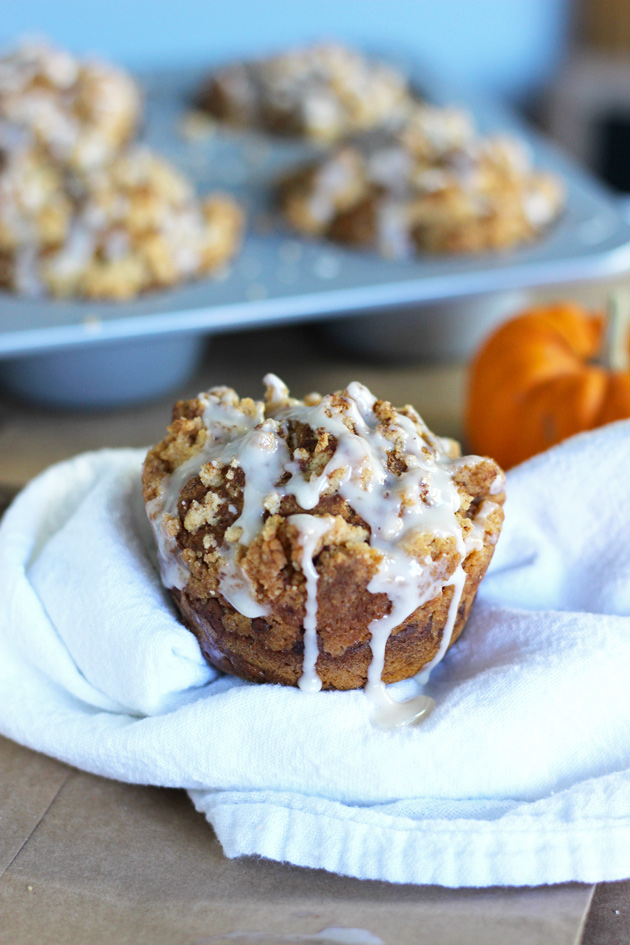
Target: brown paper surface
[(96, 862), (29, 784)]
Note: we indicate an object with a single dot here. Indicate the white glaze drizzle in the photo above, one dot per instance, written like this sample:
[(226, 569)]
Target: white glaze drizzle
[(311, 528), (224, 423), (398, 508), (335, 935), (478, 534)]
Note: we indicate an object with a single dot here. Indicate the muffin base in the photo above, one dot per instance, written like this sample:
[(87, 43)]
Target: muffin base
[(410, 646)]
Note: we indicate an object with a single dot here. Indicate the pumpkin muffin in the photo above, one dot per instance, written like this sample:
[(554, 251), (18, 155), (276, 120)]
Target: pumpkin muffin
[(131, 226), (430, 185), (78, 113), (329, 542), (322, 92)]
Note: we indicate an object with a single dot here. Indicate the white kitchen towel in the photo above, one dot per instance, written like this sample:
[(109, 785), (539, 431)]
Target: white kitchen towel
[(520, 776)]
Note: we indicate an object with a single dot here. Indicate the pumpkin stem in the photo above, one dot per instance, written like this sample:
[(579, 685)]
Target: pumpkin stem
[(616, 346)]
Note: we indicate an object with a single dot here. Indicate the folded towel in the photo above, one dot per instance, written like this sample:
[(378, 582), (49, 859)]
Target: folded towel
[(520, 776)]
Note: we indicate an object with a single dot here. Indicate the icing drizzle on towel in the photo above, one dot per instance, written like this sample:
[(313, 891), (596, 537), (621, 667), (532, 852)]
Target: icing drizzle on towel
[(398, 507)]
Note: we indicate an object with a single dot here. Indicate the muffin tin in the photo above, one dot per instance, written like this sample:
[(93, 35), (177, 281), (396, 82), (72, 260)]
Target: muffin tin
[(67, 352)]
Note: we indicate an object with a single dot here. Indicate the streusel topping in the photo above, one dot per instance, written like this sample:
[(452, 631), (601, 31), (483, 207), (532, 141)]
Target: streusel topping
[(78, 112)]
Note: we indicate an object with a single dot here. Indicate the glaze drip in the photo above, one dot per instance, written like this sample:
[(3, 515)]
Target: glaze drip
[(311, 529)]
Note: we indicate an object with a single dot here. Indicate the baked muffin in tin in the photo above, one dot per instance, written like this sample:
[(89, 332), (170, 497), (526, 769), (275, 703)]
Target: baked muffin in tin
[(430, 185), (133, 225), (322, 92), (78, 112)]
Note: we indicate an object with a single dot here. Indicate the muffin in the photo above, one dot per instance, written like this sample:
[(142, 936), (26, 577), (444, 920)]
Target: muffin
[(322, 92), (114, 232), (430, 185), (78, 113), (328, 542)]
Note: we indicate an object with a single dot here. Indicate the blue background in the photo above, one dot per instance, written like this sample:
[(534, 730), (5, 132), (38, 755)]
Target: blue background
[(510, 46)]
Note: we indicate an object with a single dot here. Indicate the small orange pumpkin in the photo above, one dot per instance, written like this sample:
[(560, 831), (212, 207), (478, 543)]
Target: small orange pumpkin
[(537, 380)]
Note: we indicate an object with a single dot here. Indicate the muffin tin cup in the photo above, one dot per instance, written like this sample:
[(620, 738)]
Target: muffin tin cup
[(112, 374), (439, 332)]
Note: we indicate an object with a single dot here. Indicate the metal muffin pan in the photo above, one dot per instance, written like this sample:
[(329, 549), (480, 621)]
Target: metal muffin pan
[(48, 348)]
